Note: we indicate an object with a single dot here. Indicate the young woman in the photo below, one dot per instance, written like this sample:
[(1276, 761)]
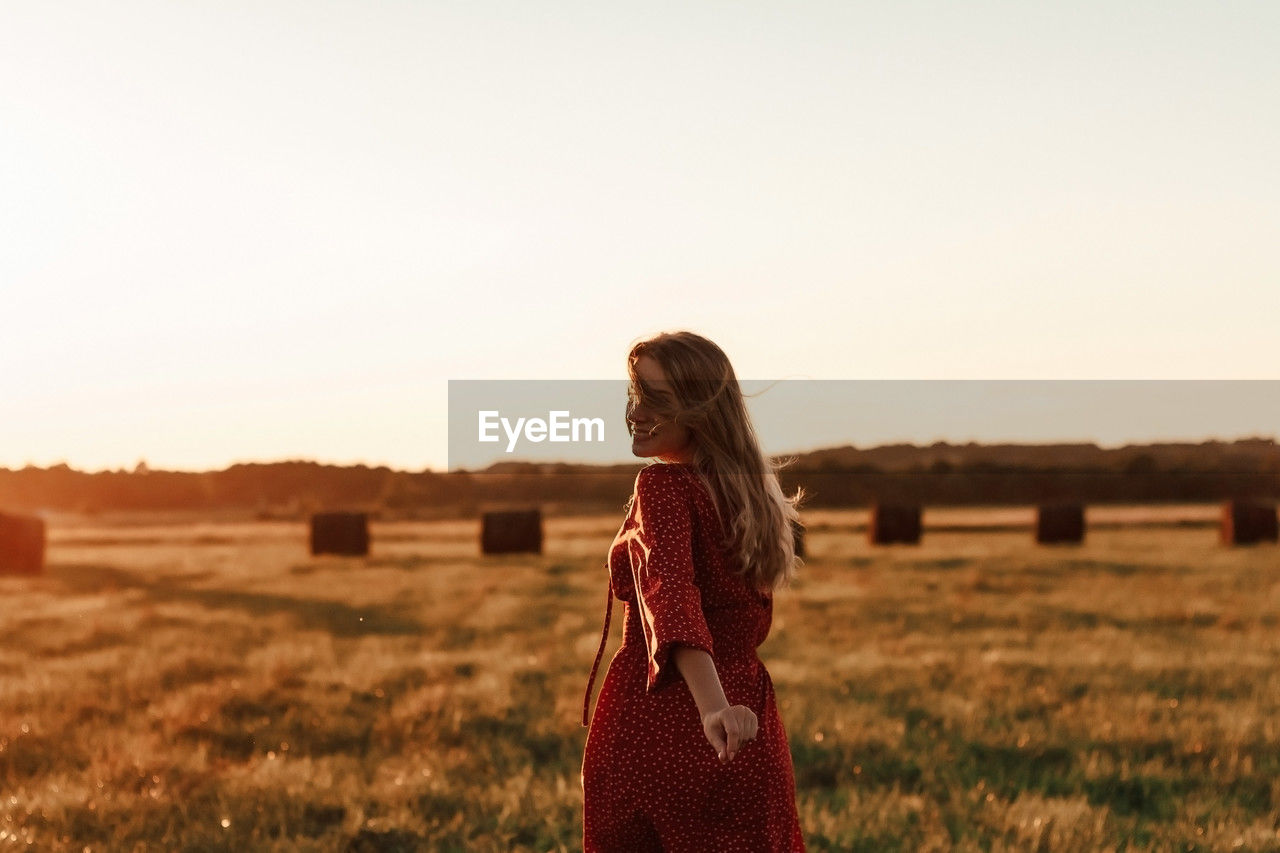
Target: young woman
[(687, 750)]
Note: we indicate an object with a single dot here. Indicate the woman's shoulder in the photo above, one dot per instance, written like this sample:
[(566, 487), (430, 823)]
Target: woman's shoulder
[(663, 476), (663, 482)]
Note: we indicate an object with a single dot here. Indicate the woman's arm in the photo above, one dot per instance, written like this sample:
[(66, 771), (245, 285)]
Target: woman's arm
[(726, 726), (699, 673)]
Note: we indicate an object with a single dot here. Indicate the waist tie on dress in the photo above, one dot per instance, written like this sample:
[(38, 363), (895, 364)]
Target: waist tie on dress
[(604, 637)]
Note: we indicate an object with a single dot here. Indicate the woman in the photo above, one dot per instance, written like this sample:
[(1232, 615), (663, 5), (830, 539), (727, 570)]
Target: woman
[(687, 750)]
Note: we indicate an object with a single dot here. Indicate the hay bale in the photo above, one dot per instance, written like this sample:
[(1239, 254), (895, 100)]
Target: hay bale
[(797, 537), (1245, 522), (22, 540), (894, 523), (512, 532), (1060, 523), (345, 533)]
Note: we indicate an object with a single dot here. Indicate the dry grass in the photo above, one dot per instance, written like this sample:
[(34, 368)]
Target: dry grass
[(212, 687)]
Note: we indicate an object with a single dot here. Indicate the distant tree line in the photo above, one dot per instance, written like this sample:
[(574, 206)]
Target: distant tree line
[(939, 474)]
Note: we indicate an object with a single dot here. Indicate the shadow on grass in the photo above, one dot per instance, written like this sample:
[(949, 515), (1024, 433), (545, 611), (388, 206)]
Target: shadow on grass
[(340, 620)]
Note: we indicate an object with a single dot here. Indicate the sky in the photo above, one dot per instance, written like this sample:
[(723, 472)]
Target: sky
[(269, 230)]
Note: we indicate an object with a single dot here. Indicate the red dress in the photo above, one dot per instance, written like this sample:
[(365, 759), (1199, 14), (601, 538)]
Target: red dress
[(650, 778)]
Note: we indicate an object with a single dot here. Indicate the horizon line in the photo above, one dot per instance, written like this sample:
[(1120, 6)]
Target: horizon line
[(362, 463)]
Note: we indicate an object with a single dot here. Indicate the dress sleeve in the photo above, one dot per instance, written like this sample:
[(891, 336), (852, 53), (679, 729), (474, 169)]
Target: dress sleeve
[(662, 568)]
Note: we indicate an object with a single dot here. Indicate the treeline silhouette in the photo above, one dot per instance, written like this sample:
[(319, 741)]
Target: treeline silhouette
[(937, 474)]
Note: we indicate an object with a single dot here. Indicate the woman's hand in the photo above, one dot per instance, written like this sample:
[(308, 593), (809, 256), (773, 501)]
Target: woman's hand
[(729, 728)]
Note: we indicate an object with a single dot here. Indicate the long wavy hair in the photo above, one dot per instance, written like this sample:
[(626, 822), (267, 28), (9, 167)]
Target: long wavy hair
[(705, 397)]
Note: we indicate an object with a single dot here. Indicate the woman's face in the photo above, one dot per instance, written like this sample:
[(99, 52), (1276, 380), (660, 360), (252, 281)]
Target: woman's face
[(668, 442)]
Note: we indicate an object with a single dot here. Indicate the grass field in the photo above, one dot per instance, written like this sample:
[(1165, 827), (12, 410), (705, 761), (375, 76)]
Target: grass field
[(213, 687)]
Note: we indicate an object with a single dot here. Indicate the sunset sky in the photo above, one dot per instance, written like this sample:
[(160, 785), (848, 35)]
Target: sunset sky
[(266, 230)]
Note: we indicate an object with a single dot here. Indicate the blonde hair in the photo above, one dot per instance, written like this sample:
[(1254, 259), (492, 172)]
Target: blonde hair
[(758, 519)]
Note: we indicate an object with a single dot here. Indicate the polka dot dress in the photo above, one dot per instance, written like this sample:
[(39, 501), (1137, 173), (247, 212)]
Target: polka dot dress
[(650, 779)]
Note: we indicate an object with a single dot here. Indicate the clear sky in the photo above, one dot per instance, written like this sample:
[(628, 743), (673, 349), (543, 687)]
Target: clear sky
[(249, 231)]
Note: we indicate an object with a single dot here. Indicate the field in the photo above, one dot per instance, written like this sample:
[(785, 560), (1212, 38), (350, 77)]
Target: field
[(214, 687)]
